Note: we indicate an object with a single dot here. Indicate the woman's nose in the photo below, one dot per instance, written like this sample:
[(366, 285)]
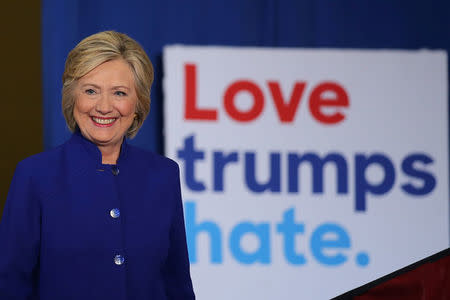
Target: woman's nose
[(104, 104)]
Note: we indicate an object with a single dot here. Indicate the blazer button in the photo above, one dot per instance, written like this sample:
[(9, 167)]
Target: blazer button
[(118, 259), (115, 213), (115, 170)]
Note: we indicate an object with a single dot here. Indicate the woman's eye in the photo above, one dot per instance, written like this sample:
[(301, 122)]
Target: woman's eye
[(90, 91), (120, 93)]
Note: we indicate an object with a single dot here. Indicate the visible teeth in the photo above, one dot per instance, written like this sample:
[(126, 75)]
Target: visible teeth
[(103, 121)]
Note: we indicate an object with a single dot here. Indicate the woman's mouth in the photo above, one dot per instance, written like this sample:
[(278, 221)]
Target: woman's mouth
[(103, 122)]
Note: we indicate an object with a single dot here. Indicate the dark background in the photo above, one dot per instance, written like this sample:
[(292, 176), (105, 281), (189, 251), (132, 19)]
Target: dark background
[(21, 115)]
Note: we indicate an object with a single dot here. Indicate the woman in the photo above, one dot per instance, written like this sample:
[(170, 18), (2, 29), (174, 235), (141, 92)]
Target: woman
[(96, 218)]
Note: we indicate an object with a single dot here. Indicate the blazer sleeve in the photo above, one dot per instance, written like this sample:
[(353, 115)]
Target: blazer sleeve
[(176, 272), (19, 238)]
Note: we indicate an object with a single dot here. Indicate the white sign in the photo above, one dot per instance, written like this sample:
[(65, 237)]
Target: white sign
[(307, 173)]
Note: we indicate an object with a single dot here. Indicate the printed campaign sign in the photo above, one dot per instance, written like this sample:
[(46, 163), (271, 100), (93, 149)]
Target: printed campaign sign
[(307, 173)]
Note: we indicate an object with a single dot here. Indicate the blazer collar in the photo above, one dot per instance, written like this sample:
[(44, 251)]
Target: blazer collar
[(87, 148)]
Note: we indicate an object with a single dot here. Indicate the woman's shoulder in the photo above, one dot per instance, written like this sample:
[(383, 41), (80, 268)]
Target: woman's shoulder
[(151, 158), (42, 170), (44, 159)]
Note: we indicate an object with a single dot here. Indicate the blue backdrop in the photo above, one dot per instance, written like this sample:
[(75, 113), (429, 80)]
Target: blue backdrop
[(309, 23)]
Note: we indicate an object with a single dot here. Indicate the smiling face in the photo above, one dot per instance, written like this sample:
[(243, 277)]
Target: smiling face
[(105, 103)]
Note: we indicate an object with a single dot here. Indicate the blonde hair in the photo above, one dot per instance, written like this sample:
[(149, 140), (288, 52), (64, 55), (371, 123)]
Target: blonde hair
[(97, 49)]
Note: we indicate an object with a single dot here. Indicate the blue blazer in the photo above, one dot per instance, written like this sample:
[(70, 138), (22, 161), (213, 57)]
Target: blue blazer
[(73, 228)]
